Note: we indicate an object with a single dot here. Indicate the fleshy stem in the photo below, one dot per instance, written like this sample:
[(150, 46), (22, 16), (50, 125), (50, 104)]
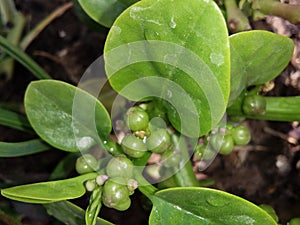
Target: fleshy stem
[(236, 19), (276, 8), (184, 177), (277, 109)]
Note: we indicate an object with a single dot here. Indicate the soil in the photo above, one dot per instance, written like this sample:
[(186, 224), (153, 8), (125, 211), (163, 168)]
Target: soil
[(267, 171)]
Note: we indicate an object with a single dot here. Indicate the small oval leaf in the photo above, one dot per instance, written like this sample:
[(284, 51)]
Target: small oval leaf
[(47, 192), (257, 57), (105, 12), (205, 206), (64, 116), (177, 51)]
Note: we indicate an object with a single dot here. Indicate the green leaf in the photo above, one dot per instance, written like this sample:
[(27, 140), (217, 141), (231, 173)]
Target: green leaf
[(14, 120), (94, 207), (257, 57), (23, 58), (173, 50), (105, 12), (64, 116), (22, 148), (47, 192), (205, 206), (70, 214)]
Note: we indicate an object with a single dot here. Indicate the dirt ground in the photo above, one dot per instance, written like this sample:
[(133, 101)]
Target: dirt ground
[(266, 171)]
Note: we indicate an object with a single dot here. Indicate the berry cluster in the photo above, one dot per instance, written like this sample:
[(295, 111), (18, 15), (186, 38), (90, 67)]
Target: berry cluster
[(117, 183), (223, 143), (148, 136), (117, 180)]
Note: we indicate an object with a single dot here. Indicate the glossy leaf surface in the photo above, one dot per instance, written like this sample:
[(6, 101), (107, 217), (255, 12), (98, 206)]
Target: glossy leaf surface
[(205, 206), (22, 148), (65, 116), (47, 192), (173, 50), (257, 57), (105, 12), (69, 213)]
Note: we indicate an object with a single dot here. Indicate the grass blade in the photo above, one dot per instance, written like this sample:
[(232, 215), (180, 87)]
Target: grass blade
[(22, 148)]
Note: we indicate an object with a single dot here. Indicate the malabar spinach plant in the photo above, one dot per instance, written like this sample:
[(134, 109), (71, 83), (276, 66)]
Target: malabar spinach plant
[(181, 72)]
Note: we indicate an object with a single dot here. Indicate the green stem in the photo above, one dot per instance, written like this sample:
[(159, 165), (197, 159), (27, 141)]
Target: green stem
[(276, 8), (236, 19), (43, 24), (7, 11), (184, 177), (14, 36), (23, 58), (144, 186), (277, 109)]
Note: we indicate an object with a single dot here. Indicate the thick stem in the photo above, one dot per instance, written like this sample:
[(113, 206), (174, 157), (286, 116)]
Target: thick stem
[(276, 8), (277, 109), (236, 19), (184, 177)]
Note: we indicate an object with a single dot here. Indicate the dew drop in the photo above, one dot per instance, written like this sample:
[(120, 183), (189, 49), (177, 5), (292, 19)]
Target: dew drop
[(169, 94), (215, 201), (173, 23), (217, 58)]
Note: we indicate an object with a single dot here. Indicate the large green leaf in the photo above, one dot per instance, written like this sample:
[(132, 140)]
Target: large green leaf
[(47, 192), (70, 214), (177, 51), (204, 206), (103, 11), (64, 116), (22, 148), (257, 57)]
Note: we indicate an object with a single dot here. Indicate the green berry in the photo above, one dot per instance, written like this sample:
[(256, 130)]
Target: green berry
[(215, 141), (159, 141), (90, 185), (119, 166), (137, 119), (294, 221), (227, 145), (133, 146), (123, 205), (112, 148), (115, 195), (86, 164), (254, 105), (223, 144), (241, 135)]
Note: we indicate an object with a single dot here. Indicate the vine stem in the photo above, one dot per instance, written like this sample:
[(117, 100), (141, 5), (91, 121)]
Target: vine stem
[(236, 19), (276, 8), (277, 109), (185, 176)]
